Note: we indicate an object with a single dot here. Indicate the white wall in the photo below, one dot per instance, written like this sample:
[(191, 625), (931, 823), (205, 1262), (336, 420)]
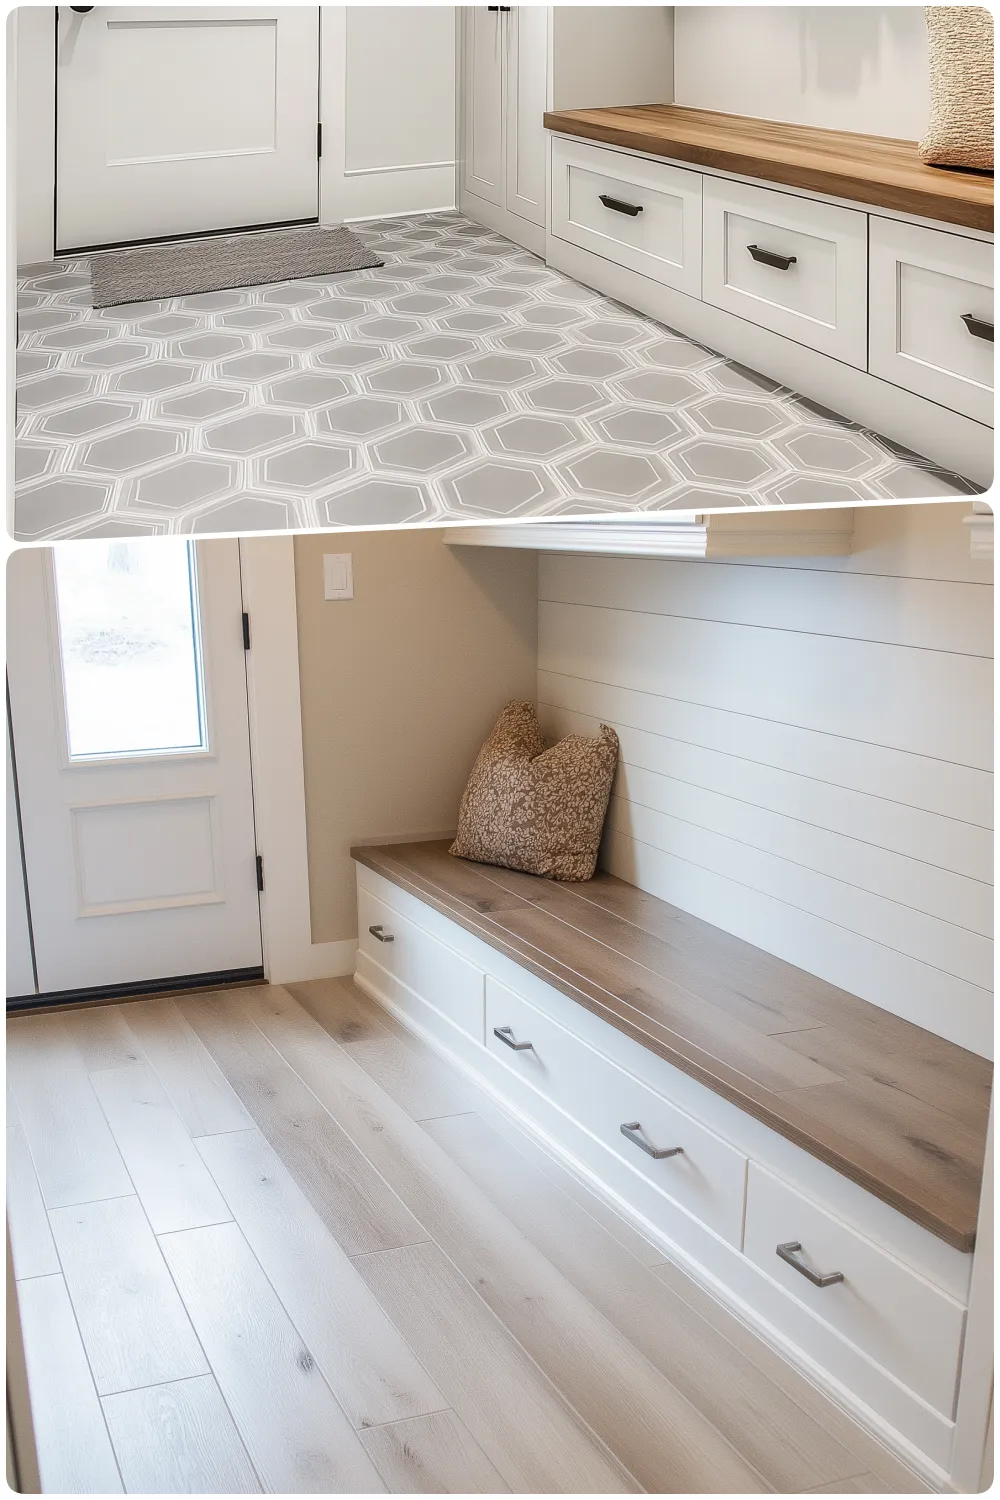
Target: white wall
[(20, 969), (806, 755), (31, 47), (388, 110), (606, 55), (843, 67)]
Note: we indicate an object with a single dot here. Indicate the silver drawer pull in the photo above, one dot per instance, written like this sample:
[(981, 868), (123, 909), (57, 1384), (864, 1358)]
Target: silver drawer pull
[(978, 327), (632, 1132), (505, 1034), (772, 258), (790, 1250), (378, 931)]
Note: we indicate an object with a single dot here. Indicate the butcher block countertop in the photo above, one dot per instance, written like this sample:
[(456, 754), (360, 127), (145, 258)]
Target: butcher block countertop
[(867, 169), (893, 1107)]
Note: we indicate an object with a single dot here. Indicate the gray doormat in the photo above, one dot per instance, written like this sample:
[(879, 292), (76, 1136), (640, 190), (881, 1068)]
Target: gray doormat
[(185, 267)]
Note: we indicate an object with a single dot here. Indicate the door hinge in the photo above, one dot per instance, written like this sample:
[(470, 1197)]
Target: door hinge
[(246, 631), (319, 139), (260, 872)]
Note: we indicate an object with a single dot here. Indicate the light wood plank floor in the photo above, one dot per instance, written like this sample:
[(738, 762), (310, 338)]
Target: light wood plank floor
[(265, 1239)]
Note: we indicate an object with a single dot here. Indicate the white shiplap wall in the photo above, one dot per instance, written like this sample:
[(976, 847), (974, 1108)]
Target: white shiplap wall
[(806, 750)]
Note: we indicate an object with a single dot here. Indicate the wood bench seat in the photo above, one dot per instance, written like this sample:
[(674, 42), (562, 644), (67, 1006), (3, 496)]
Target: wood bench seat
[(895, 1108), (867, 169)]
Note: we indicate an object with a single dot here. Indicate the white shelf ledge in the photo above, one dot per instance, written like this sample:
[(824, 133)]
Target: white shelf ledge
[(743, 533), (980, 525)]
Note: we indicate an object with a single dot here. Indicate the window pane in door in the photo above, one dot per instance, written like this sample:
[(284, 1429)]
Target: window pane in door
[(131, 647)]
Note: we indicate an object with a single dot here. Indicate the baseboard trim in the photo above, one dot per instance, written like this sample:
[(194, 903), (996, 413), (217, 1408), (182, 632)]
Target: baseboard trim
[(100, 994), (946, 437)]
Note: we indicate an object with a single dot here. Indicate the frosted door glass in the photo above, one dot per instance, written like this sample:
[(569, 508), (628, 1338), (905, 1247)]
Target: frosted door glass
[(130, 645)]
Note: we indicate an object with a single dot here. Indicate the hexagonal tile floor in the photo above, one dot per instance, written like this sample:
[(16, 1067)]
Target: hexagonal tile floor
[(463, 380)]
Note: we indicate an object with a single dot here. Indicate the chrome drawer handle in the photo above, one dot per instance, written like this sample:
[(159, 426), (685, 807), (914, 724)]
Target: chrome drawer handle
[(788, 1252), (771, 258), (618, 206), (978, 327), (378, 931), (505, 1034), (632, 1132)]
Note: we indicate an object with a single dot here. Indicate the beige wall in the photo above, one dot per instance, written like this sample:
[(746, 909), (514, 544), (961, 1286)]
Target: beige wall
[(400, 685)]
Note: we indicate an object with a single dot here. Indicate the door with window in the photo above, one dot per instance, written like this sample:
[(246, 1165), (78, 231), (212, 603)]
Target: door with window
[(131, 748), (184, 119)]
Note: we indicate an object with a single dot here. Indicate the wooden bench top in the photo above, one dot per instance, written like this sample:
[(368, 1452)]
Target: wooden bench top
[(865, 168), (895, 1108)]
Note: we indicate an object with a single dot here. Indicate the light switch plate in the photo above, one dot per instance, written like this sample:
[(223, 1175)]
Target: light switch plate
[(338, 575)]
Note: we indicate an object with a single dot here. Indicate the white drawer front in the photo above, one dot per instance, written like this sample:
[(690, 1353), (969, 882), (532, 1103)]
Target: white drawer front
[(706, 1176), (595, 193), (819, 297), (448, 982), (931, 305), (902, 1322)]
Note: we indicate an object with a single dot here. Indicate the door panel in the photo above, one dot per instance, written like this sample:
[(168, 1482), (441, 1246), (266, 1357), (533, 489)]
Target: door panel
[(181, 120), (526, 47), (20, 969), (484, 33), (136, 805)]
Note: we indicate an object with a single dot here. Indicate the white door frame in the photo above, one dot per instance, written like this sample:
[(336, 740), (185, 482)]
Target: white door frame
[(268, 570)]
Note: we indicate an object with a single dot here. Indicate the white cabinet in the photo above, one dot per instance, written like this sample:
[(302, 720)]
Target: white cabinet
[(931, 314), (641, 214), (504, 89), (482, 124), (525, 89), (790, 263)]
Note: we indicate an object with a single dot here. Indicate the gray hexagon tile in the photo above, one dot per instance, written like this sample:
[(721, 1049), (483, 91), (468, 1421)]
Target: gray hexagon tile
[(463, 379)]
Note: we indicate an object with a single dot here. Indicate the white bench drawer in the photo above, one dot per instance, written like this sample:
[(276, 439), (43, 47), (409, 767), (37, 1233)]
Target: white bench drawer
[(791, 264), (446, 981), (640, 214), (881, 1306), (931, 320), (706, 1176)]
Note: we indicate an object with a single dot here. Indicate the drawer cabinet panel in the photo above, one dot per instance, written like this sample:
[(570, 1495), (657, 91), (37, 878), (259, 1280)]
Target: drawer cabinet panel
[(702, 1172), (791, 264), (643, 215), (931, 320), (445, 980), (883, 1307)]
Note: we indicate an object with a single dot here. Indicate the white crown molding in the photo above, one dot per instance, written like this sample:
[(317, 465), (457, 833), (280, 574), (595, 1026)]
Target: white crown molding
[(741, 534), (980, 524)]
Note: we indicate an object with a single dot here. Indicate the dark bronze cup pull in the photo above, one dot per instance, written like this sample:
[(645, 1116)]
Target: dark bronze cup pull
[(771, 258), (619, 207), (978, 327)]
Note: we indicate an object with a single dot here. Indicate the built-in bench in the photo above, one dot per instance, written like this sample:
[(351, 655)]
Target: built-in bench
[(815, 1158), (838, 264), (863, 168)]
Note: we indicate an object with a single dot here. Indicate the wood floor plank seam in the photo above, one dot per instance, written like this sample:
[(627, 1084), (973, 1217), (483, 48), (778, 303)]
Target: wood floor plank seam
[(616, 1342)]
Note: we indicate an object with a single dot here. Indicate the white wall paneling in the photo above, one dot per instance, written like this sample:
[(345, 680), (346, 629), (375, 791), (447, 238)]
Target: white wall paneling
[(387, 97), (843, 67), (607, 55), (806, 756)]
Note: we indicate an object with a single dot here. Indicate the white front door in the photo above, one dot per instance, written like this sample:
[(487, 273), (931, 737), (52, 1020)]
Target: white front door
[(128, 705), (184, 119)]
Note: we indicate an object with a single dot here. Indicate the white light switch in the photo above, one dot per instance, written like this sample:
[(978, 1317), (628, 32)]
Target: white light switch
[(338, 576)]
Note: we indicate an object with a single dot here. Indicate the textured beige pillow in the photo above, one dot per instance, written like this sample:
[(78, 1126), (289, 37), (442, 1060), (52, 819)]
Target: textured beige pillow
[(528, 808), (960, 53)]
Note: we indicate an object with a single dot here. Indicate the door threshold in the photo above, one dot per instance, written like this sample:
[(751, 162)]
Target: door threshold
[(144, 989), (192, 234)]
